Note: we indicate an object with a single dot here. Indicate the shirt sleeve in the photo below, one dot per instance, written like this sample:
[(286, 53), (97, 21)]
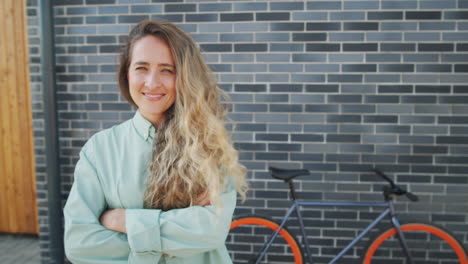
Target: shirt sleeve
[(86, 240), (180, 232)]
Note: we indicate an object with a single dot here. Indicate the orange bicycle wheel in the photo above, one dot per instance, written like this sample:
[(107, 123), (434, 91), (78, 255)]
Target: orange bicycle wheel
[(426, 242), (256, 227)]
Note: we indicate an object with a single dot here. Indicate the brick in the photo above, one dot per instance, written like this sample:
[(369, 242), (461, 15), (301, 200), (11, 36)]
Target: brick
[(271, 137), (451, 140), (439, 47), (395, 89), (306, 137), (432, 89), (346, 57), (250, 108), (361, 5), (343, 138), (396, 68), (272, 77), (348, 16), (418, 99), (235, 37), (249, 47), (68, 2), (250, 146), (422, 36), (360, 47), (436, 25), (359, 67), (307, 78), (216, 47), (324, 5), (272, 16), (322, 67), (361, 26), (397, 129), (175, 18), (385, 15), (323, 26), (250, 67), (285, 108), (384, 36), (452, 119), (306, 157), (272, 37), (81, 10), (99, 2), (309, 37), (343, 118), (101, 39), (434, 68), (287, 26), (250, 6), (287, 47), (420, 15), (100, 19), (113, 9), (236, 17), (271, 117), (307, 118), (325, 108), (209, 17), (358, 108), (250, 127), (308, 16), (460, 89), (454, 57), (286, 6), (456, 15), (214, 7), (461, 68), (180, 8), (325, 47), (398, 47), (237, 58), (345, 78), (284, 147), (321, 128)]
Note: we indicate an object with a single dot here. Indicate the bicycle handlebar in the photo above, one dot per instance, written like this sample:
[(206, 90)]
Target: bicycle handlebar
[(394, 189)]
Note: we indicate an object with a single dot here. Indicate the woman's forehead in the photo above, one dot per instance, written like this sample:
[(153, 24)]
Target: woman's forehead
[(151, 49)]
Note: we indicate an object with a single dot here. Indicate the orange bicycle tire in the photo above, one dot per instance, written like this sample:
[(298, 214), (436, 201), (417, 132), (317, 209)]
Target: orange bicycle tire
[(260, 221), (444, 235)]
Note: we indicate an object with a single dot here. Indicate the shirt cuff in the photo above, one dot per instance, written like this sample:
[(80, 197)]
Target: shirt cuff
[(143, 231)]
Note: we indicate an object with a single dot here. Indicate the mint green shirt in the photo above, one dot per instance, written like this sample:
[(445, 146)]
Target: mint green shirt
[(111, 173)]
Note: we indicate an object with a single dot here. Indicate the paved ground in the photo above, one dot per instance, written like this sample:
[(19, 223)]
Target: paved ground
[(19, 249)]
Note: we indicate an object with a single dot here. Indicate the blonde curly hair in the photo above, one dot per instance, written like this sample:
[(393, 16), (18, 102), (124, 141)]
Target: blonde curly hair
[(192, 151)]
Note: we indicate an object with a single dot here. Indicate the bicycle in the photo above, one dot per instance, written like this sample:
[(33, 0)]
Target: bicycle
[(401, 243)]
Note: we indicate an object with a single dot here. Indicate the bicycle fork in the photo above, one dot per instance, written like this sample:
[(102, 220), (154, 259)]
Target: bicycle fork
[(401, 237)]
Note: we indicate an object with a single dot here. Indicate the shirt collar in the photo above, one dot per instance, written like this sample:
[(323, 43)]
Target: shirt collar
[(144, 127)]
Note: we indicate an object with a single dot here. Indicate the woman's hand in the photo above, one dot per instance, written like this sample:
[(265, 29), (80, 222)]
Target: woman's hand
[(114, 220)]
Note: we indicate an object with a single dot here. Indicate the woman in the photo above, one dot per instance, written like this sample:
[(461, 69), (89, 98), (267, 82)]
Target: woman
[(161, 187)]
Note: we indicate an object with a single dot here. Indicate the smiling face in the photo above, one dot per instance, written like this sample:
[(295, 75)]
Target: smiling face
[(152, 78)]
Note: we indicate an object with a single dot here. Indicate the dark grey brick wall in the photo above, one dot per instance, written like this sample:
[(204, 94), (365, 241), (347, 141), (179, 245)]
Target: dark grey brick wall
[(336, 87)]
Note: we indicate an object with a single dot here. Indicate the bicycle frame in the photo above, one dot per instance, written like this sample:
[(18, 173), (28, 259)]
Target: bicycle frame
[(295, 207)]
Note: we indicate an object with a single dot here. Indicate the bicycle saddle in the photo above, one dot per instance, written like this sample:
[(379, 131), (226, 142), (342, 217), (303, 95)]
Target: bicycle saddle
[(286, 174)]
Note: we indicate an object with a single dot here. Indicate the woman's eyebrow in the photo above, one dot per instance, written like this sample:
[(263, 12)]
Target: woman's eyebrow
[(160, 64)]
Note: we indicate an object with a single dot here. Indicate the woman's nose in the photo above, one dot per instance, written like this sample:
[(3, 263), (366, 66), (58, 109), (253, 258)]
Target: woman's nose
[(153, 80)]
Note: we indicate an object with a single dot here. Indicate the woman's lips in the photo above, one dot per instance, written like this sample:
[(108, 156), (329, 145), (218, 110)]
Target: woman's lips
[(153, 96)]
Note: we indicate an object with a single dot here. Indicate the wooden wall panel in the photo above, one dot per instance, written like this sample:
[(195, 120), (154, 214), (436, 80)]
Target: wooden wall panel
[(18, 210)]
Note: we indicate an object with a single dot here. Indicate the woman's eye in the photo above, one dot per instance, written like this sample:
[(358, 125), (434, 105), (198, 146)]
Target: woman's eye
[(167, 70), (140, 68)]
